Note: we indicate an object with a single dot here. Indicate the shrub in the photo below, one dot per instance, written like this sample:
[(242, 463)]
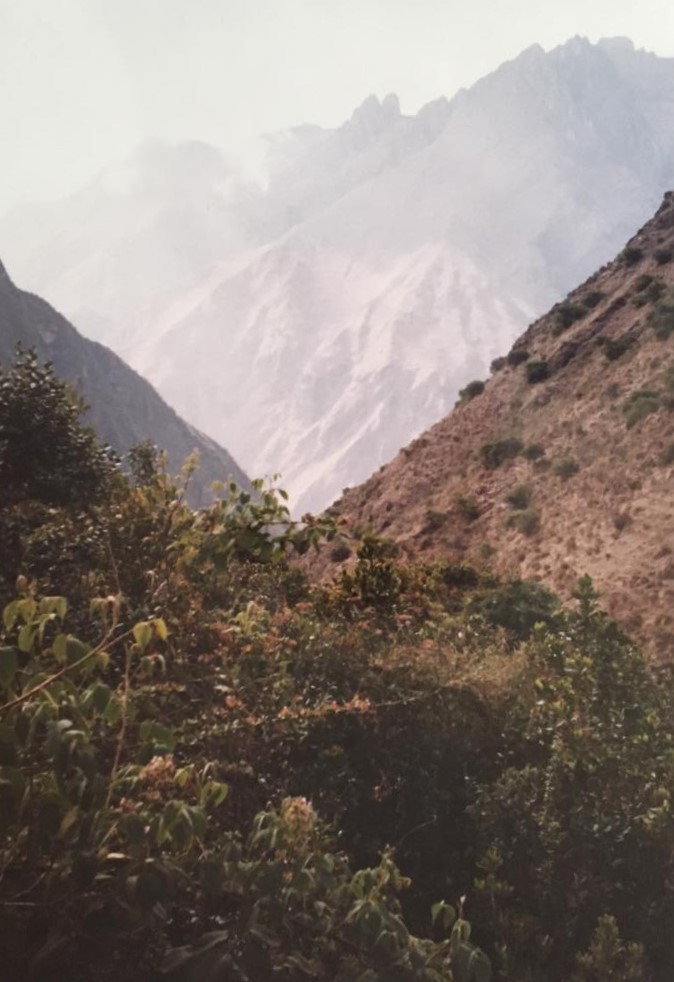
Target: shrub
[(519, 496), (535, 451), (650, 293), (473, 389), (566, 314), (631, 255), (667, 456), (46, 453), (434, 520), (467, 506), (527, 521), (593, 298), (496, 453), (663, 256), (566, 468), (537, 371), (517, 607), (639, 404), (669, 378), (642, 281), (615, 348), (340, 552), (516, 356), (498, 364), (661, 317), (460, 576)]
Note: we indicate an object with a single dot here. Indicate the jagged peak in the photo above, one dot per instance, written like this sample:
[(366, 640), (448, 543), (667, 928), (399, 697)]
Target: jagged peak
[(618, 45), (374, 113)]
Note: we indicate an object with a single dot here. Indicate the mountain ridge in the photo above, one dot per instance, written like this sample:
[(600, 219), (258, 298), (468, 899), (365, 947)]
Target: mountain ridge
[(123, 408), (474, 215)]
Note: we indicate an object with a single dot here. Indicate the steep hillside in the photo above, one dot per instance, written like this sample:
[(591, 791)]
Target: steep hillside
[(124, 408), (564, 464), (383, 264)]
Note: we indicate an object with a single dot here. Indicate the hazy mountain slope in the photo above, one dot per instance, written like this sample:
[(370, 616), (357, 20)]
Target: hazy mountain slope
[(601, 489), (361, 323), (124, 408), (142, 230), (328, 318)]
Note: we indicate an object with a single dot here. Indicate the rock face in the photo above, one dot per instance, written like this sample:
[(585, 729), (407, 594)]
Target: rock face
[(564, 463), (123, 408), (331, 316)]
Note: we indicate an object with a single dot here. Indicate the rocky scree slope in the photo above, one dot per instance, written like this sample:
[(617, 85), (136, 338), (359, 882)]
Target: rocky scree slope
[(563, 463), (123, 408)]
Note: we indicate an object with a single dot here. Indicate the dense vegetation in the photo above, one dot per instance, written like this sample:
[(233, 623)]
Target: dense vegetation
[(212, 769)]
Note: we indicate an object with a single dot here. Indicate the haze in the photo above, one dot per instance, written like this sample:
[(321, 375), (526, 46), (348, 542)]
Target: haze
[(85, 81)]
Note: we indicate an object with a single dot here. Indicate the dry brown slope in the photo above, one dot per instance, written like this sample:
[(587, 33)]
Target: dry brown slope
[(614, 518)]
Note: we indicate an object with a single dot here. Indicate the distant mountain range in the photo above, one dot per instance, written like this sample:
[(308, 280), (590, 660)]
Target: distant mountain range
[(563, 462), (123, 408), (316, 324)]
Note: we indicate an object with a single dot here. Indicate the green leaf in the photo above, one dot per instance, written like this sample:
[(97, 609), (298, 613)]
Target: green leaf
[(26, 637), (113, 712), (443, 914), (10, 614), (479, 967), (142, 633), (161, 737), (58, 648), (9, 666), (75, 649), (101, 696), (160, 627)]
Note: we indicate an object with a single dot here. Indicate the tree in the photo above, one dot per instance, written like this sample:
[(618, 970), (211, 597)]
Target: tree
[(46, 453)]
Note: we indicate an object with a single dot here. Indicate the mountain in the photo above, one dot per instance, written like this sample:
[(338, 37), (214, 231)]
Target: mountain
[(123, 408), (563, 464), (142, 229), (383, 264)]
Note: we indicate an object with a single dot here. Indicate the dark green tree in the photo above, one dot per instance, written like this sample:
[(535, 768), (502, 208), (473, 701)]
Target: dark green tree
[(46, 453)]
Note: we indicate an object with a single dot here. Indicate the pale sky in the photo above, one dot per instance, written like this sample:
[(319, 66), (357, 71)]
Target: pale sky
[(84, 81)]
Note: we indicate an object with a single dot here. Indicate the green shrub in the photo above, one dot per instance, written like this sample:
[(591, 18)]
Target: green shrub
[(459, 576), (46, 452), (668, 378), (473, 389), (340, 552), (516, 356), (631, 255), (496, 453), (642, 281), (651, 293), (467, 506), (593, 298), (537, 371), (639, 404), (434, 520), (527, 521), (667, 456), (661, 317), (566, 468), (535, 451), (663, 256), (615, 348), (566, 314), (498, 364), (519, 496), (516, 607)]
